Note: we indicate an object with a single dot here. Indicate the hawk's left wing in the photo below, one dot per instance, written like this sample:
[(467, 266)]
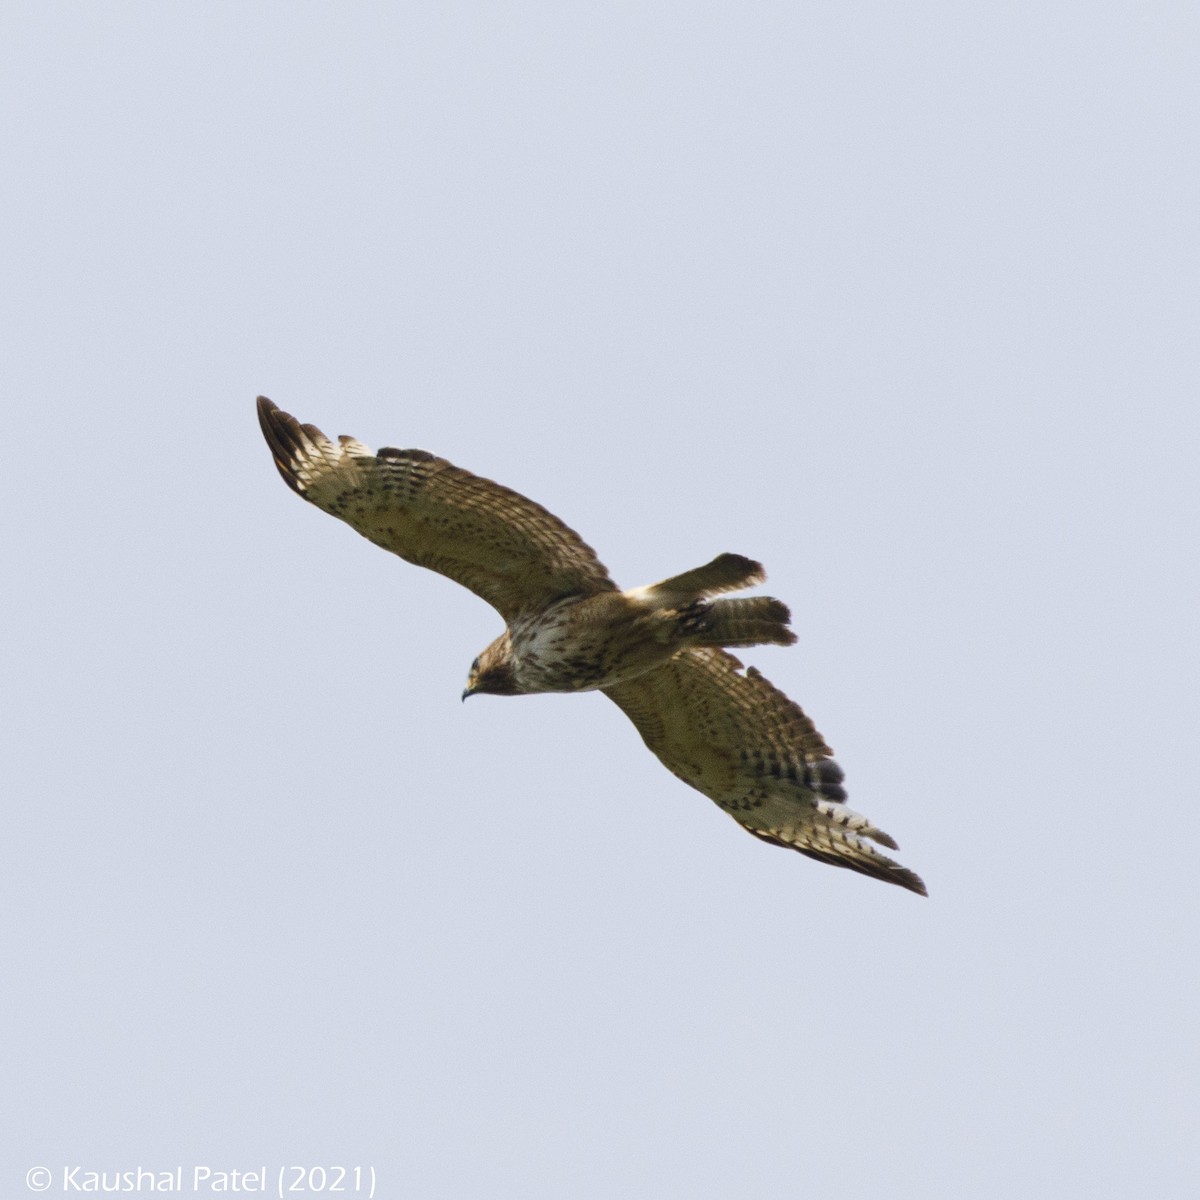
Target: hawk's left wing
[(741, 741), (505, 548)]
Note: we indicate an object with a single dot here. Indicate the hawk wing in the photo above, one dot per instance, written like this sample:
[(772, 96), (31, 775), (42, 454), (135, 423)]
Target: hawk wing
[(505, 548), (744, 744)]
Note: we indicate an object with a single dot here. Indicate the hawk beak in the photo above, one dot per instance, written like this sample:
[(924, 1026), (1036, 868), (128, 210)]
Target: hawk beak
[(468, 692)]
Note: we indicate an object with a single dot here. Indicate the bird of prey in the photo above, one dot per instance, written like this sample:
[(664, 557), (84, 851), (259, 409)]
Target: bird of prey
[(660, 653)]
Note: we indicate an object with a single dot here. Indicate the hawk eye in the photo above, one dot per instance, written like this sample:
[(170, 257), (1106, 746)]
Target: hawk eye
[(475, 665)]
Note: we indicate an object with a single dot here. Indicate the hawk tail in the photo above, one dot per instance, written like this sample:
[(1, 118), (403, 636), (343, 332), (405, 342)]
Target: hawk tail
[(726, 573), (750, 621)]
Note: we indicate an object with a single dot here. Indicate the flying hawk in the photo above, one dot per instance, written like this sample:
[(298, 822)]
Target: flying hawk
[(658, 652)]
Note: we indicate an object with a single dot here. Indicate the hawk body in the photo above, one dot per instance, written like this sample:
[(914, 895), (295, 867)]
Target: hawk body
[(582, 644), (657, 651)]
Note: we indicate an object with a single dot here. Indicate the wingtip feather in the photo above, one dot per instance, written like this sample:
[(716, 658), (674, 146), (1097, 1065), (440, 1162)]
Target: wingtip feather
[(874, 865), (290, 442)]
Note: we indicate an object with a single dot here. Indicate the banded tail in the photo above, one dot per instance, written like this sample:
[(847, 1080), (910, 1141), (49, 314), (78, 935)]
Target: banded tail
[(726, 573), (747, 621)]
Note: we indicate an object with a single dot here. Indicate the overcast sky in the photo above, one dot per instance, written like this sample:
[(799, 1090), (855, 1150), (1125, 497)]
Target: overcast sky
[(900, 299)]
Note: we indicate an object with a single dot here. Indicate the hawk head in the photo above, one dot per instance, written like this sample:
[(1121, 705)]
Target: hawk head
[(492, 671)]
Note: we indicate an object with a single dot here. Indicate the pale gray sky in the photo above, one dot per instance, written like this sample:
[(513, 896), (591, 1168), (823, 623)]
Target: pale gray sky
[(900, 299)]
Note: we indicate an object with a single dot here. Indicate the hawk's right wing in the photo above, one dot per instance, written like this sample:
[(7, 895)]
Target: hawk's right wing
[(505, 548), (741, 741)]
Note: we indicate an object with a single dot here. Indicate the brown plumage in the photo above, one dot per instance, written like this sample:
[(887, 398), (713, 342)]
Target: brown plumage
[(656, 651)]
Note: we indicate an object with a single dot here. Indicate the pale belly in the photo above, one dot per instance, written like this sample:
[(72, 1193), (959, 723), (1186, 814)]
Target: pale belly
[(589, 644)]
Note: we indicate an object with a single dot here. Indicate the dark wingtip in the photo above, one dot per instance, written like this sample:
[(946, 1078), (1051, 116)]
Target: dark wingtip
[(900, 876), (282, 433), (890, 872), (267, 411)]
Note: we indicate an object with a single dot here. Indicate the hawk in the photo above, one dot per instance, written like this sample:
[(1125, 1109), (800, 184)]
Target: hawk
[(660, 653)]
